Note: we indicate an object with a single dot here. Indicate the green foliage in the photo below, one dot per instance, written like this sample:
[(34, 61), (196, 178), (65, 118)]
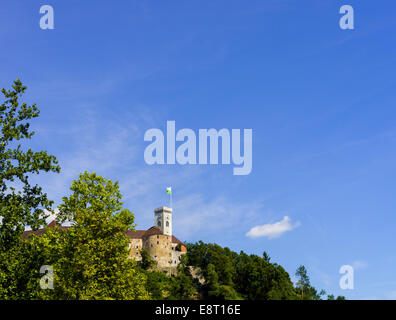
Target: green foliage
[(21, 203), (304, 289), (213, 289), (26, 206), (158, 284), (258, 279), (266, 257), (147, 262), (96, 200), (230, 276), (201, 255), (303, 284), (90, 259), (234, 276), (182, 287), (177, 287)]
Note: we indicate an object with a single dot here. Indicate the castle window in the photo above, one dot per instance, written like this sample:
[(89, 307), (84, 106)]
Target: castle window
[(157, 242), (157, 236), (167, 223), (159, 223), (137, 247)]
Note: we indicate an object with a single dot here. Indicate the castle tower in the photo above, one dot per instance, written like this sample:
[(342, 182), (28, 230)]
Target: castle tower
[(163, 220)]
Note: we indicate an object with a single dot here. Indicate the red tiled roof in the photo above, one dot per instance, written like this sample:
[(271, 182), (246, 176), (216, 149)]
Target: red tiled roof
[(38, 232), (41, 231), (53, 223), (175, 240), (152, 231), (138, 234)]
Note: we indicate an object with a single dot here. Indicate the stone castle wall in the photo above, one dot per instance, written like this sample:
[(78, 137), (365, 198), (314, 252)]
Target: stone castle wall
[(135, 245), (160, 248)]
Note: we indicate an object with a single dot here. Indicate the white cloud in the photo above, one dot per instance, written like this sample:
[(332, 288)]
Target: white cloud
[(272, 230)]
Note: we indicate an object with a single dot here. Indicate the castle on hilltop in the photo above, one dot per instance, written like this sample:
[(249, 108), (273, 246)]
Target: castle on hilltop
[(158, 240)]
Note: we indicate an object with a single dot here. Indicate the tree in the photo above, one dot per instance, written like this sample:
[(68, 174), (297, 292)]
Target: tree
[(303, 284), (147, 262), (229, 275), (91, 259), (21, 203), (304, 287), (182, 287), (158, 284), (266, 257), (258, 279), (318, 296)]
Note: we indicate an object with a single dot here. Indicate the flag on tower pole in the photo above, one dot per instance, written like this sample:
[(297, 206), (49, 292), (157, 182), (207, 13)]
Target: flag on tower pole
[(169, 191)]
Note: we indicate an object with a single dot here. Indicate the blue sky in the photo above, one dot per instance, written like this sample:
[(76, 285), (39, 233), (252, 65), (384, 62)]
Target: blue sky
[(320, 101)]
